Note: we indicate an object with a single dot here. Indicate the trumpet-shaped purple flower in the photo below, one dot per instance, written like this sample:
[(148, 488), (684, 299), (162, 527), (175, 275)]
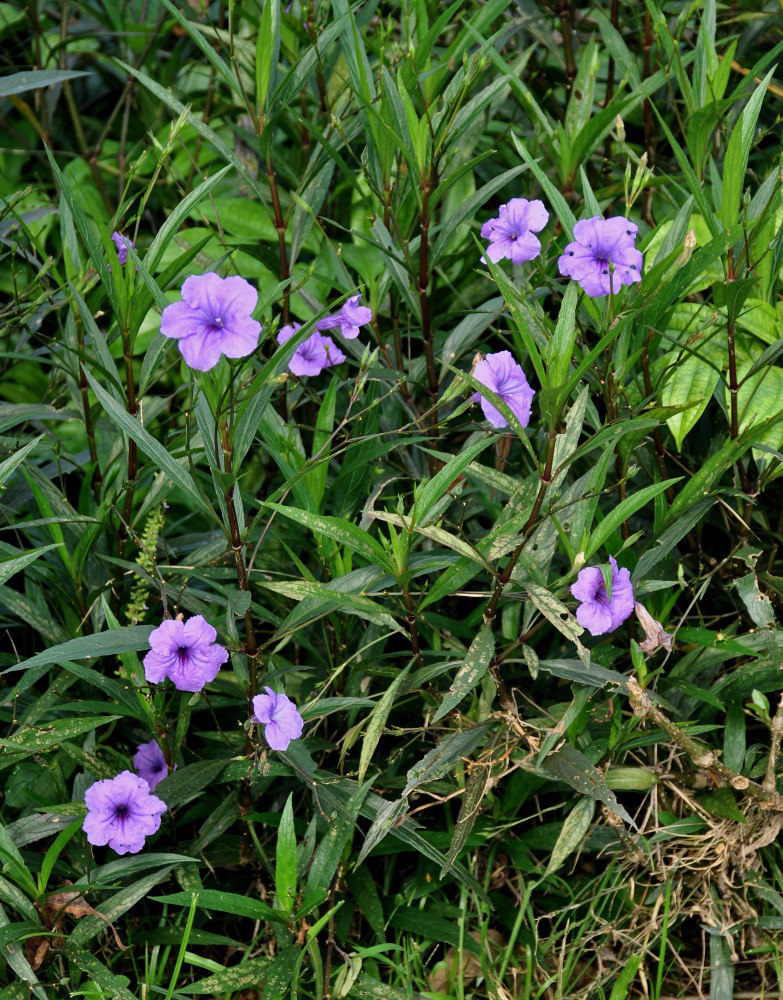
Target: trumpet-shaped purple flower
[(312, 355), (511, 234), (150, 763), (185, 652), (213, 318), (122, 243), (121, 812), (279, 715), (597, 612), (602, 257), (501, 373), (349, 318)]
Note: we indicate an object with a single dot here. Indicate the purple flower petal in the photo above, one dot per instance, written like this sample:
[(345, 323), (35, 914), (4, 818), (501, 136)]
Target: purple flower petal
[(150, 763), (511, 233), (214, 318), (185, 653), (501, 373), (313, 355), (602, 257), (597, 613), (122, 813), (278, 714)]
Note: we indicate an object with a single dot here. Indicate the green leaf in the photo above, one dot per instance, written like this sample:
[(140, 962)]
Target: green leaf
[(558, 614), (9, 567), (330, 850), (18, 83), (428, 494), (114, 985), (342, 531), (48, 735), (110, 643), (473, 668), (572, 835), (115, 906), (622, 512), (285, 859), (735, 163), (180, 212), (476, 784), (9, 465), (571, 766), (152, 448), (14, 955), (224, 902), (691, 381), (247, 974), (377, 720)]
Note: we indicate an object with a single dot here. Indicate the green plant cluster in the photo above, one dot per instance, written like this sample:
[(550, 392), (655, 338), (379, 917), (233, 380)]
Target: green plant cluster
[(487, 801)]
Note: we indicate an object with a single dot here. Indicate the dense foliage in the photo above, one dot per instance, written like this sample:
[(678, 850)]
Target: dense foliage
[(390, 456)]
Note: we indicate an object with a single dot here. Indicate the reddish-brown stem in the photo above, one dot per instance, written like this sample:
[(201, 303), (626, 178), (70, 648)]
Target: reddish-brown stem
[(122, 531), (505, 574), (280, 227), (238, 548), (647, 113), (564, 13), (660, 456), (426, 319)]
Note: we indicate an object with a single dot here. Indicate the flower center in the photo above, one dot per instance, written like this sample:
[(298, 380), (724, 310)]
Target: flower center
[(217, 321), (183, 655)]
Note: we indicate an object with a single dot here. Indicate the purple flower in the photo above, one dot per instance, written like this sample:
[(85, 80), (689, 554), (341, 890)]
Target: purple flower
[(501, 373), (278, 713), (184, 652), (349, 318), (597, 613), (150, 763), (214, 318), (511, 234), (313, 355), (602, 257), (122, 243), (121, 813)]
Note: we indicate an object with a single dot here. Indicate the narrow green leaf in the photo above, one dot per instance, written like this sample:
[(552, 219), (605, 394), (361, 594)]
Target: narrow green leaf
[(571, 766), (152, 448), (622, 512), (110, 643), (558, 614), (18, 83), (330, 850), (285, 859), (474, 667), (224, 902), (572, 835), (377, 720), (735, 163), (476, 784), (342, 531), (181, 211), (428, 494)]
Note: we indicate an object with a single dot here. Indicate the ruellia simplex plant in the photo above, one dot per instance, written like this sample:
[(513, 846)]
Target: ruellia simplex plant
[(391, 451)]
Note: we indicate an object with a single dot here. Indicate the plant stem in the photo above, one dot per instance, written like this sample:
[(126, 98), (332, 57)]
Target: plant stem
[(647, 114), (660, 456), (505, 574), (280, 227), (564, 13), (237, 547), (122, 532), (644, 708), (426, 321)]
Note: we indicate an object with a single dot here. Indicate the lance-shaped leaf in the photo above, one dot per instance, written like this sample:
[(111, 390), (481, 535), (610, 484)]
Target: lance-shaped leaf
[(571, 766), (474, 666)]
